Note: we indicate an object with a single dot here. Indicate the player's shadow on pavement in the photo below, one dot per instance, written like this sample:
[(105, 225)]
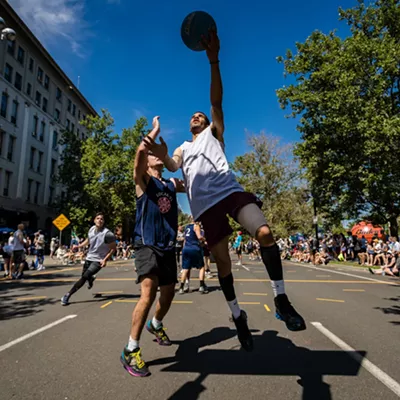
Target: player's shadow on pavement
[(393, 310), (104, 297), (272, 355)]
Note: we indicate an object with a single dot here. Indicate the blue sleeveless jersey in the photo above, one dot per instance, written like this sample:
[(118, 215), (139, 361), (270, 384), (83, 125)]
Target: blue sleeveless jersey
[(191, 239), (157, 215)]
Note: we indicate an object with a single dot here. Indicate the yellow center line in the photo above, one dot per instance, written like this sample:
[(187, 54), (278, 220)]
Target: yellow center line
[(255, 294), (126, 301), (55, 271), (182, 302), (353, 290), (106, 305), (249, 302), (267, 308), (332, 300), (111, 292), (31, 298)]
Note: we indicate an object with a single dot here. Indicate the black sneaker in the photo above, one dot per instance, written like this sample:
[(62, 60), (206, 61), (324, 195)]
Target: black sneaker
[(90, 282), (243, 332), (132, 361), (286, 313)]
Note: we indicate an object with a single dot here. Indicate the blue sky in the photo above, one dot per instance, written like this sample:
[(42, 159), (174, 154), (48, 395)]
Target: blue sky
[(131, 59)]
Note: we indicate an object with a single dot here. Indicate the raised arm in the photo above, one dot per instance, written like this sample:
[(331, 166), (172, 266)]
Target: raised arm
[(174, 163), (212, 49), (140, 169)]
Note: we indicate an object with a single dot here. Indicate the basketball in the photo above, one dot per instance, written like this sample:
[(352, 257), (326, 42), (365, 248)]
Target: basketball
[(194, 26)]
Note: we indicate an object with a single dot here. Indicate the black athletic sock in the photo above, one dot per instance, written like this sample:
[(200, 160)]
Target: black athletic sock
[(182, 285), (202, 283), (272, 261)]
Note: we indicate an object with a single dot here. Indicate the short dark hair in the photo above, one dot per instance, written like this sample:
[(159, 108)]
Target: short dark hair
[(98, 214), (205, 116)]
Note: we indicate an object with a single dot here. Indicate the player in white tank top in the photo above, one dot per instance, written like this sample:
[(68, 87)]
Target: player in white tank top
[(214, 192)]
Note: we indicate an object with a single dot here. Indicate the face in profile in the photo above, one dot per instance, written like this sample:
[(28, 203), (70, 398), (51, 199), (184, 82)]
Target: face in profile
[(198, 122)]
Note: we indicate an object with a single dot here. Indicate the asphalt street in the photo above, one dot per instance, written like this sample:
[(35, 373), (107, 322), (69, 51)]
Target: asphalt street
[(349, 350)]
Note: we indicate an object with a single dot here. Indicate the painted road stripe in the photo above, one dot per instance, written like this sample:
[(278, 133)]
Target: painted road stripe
[(255, 294), (40, 330), (249, 302), (111, 292), (364, 362), (56, 271), (106, 305), (31, 298), (247, 269), (353, 275), (136, 301), (332, 300), (353, 290), (323, 276), (267, 308), (376, 282)]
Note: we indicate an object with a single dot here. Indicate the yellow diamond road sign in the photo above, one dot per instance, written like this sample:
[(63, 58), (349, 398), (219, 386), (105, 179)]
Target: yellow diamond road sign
[(61, 222)]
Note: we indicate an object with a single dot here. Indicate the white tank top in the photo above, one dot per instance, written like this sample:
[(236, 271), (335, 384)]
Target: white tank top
[(208, 179)]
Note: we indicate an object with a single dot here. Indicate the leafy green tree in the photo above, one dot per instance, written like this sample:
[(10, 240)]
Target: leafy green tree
[(346, 95), (98, 173), (270, 172)]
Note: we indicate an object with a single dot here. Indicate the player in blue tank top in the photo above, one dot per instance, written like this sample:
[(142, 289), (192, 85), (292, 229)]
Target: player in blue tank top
[(192, 257), (154, 241)]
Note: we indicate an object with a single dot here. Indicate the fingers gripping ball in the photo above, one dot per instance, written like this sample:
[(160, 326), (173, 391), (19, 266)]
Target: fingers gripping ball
[(194, 26)]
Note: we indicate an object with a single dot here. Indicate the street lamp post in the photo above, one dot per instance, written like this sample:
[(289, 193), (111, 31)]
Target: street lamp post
[(6, 33)]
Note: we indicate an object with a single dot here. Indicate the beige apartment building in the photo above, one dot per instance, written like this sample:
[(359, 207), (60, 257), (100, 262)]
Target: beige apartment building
[(37, 102)]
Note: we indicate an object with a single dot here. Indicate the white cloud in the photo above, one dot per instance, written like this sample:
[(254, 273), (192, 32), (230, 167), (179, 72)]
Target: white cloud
[(55, 20)]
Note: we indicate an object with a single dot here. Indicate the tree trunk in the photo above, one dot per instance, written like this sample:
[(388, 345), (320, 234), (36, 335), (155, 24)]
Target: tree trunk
[(394, 226)]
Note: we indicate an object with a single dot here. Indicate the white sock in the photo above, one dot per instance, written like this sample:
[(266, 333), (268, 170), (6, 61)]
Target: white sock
[(235, 309), (132, 344), (156, 323), (187, 282), (278, 287)]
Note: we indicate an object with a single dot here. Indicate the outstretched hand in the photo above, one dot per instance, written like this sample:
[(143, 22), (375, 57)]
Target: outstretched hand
[(160, 150), (211, 45)]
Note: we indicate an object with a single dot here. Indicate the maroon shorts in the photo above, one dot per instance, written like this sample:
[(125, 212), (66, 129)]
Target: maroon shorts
[(215, 221)]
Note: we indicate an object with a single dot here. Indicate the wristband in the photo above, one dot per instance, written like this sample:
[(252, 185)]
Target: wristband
[(214, 62)]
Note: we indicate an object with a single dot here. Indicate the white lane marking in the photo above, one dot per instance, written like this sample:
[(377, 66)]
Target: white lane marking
[(368, 365), (353, 275), (247, 269), (40, 330)]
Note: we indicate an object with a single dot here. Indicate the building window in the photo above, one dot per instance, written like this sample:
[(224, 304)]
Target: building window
[(10, 152), (69, 105), (78, 132), (67, 123), (14, 112), (72, 128), (39, 164), (38, 99), (44, 105), (42, 131), (2, 136), (32, 158), (28, 195), (40, 75), (51, 195), (21, 55), (57, 115), (46, 82), (53, 168), (7, 183), (11, 47), (35, 199), (29, 89), (79, 115), (73, 109), (18, 81), (31, 64), (8, 72), (4, 105), (55, 140), (83, 117), (58, 94), (35, 125)]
